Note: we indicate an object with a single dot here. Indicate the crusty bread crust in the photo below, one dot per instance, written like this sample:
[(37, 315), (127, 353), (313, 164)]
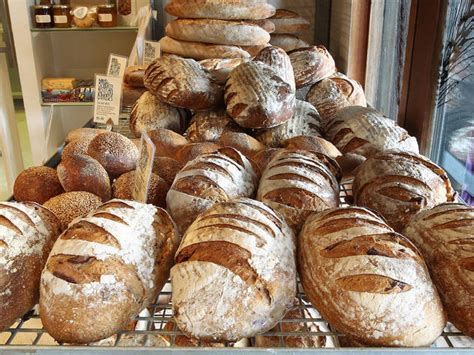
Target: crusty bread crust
[(200, 51)]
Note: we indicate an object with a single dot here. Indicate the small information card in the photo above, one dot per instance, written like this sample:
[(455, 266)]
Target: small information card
[(151, 51), (144, 169), (107, 101)]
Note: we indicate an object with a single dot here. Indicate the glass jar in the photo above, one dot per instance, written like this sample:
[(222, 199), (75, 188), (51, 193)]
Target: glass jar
[(42, 16), (107, 15), (62, 17)]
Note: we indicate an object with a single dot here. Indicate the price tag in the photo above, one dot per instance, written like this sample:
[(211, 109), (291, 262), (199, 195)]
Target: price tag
[(151, 51), (116, 65), (144, 169), (107, 99)]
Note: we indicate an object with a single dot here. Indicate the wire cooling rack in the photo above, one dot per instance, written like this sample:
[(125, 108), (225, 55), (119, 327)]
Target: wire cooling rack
[(155, 327)]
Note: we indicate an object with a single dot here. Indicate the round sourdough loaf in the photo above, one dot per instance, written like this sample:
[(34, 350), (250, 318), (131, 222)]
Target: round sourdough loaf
[(37, 184), (287, 42), (445, 236), (312, 144), (167, 142), (133, 75), (244, 143), (191, 151), (208, 126), (367, 281), (287, 21), (399, 184), (235, 273), (279, 61), (311, 65)]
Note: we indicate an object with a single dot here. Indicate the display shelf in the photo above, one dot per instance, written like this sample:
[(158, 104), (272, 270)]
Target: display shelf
[(67, 104), (89, 29)]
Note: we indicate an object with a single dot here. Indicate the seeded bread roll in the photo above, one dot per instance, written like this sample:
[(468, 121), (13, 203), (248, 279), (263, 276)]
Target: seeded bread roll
[(221, 68), (444, 234), (305, 121), (257, 97), (311, 65), (244, 143), (150, 113), (209, 179), (71, 205), (76, 147), (287, 21), (192, 150), (115, 152), (365, 131), (83, 134), (367, 281), (83, 173), (243, 252), (398, 185), (166, 168), (279, 61), (167, 142), (133, 75), (312, 144), (27, 233), (183, 83), (208, 126), (114, 262), (37, 184), (287, 42)]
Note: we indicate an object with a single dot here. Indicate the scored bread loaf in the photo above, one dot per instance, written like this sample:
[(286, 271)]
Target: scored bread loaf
[(149, 113), (279, 61), (27, 233), (311, 65), (287, 42), (166, 168), (235, 33), (182, 83), (167, 142), (133, 75), (313, 144), (244, 143), (199, 51), (399, 184), (243, 252), (221, 67), (37, 184), (220, 9), (263, 157), (287, 21), (298, 183), (365, 131), (305, 121), (368, 281), (208, 126), (257, 97), (112, 262), (445, 234), (209, 179), (191, 151)]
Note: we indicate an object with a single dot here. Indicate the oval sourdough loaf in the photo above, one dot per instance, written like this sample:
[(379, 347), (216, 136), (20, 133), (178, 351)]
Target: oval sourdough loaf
[(182, 83), (192, 150), (27, 233), (313, 144), (112, 262), (398, 185), (287, 42), (235, 273), (279, 61), (369, 282), (209, 179), (257, 97), (243, 142), (445, 236), (208, 126), (298, 183), (167, 142), (266, 24), (311, 65), (287, 21)]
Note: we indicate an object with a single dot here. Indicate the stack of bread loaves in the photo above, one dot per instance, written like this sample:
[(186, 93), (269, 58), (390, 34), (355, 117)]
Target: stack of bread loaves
[(288, 24)]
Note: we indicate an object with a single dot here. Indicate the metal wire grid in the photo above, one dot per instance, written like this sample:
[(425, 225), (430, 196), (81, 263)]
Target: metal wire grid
[(156, 327)]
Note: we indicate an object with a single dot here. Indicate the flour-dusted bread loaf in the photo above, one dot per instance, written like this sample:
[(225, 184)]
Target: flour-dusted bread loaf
[(149, 113), (133, 75), (287, 42), (445, 236), (298, 183), (311, 65), (333, 93), (191, 151), (241, 141), (208, 126), (112, 262), (221, 67), (399, 184), (221, 9), (199, 51), (234, 33), (305, 121), (209, 179), (257, 97), (279, 61), (266, 24), (167, 142), (37, 184), (183, 83), (365, 131), (312, 144), (235, 272), (367, 281), (287, 21)]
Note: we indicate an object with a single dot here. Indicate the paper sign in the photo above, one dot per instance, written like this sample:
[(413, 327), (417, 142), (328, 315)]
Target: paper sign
[(151, 51), (116, 66), (107, 100), (144, 169)]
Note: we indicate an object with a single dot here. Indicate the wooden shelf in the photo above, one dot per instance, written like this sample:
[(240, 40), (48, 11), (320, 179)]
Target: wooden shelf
[(89, 29)]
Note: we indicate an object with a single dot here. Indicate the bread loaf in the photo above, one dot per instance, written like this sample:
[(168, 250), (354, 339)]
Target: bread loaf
[(182, 83), (305, 121), (279, 61), (112, 262), (208, 126), (83, 134), (287, 21), (367, 281), (311, 65), (133, 75), (244, 143), (198, 51), (398, 185), (166, 168), (444, 234), (220, 9), (298, 183), (130, 95), (243, 252), (235, 33), (37, 184), (287, 42), (254, 50), (191, 151), (76, 147), (365, 131), (209, 179), (333, 93), (263, 157), (312, 144), (265, 24), (167, 142), (27, 233), (150, 113), (221, 68), (257, 97)]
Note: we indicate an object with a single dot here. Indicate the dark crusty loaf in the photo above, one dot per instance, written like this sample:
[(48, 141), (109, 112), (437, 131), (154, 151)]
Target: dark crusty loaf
[(398, 185), (182, 83), (257, 97), (445, 236), (279, 61), (287, 21), (208, 126), (114, 262), (242, 252), (369, 282), (37, 184), (311, 65), (133, 75), (287, 42)]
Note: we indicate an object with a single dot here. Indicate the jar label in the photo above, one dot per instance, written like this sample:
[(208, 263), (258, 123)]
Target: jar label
[(60, 19), (43, 18), (105, 17)]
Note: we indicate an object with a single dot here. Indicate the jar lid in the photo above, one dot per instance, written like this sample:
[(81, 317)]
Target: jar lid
[(42, 7), (65, 7), (106, 6)]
